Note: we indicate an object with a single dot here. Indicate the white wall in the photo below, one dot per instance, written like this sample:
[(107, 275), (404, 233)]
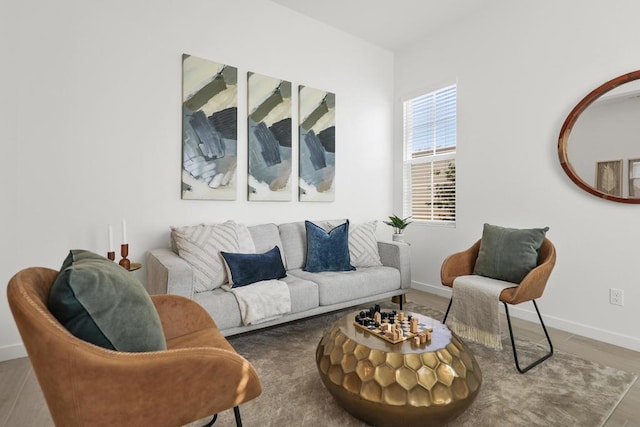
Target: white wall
[(91, 132), (520, 69)]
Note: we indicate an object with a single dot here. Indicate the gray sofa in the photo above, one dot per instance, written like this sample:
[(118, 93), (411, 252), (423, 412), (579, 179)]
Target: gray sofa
[(311, 293)]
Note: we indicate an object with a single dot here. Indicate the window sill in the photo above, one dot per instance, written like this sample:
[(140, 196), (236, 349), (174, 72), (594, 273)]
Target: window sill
[(443, 224)]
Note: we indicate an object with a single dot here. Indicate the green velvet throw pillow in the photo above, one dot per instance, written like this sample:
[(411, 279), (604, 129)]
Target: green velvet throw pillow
[(508, 254), (100, 302)]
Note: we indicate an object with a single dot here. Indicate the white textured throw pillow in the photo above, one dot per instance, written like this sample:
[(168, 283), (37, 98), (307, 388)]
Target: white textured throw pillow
[(200, 246), (363, 245), (245, 242)]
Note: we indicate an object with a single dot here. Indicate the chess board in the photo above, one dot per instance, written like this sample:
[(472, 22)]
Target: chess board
[(405, 328)]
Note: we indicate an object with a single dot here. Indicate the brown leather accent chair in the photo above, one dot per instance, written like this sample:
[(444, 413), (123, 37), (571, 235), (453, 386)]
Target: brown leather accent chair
[(530, 289), (199, 374)]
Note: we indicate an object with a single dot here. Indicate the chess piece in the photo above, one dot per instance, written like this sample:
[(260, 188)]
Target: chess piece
[(413, 325)]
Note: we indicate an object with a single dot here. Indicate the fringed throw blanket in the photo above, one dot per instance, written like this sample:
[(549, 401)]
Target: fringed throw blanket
[(262, 301), (475, 309)]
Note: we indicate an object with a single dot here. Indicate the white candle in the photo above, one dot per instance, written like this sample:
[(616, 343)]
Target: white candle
[(124, 232), (110, 238)]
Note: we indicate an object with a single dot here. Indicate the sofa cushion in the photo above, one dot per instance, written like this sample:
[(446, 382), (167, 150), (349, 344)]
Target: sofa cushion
[(304, 293), (265, 237), (223, 306), (335, 287), (363, 245), (294, 242), (508, 253), (100, 302), (327, 250), (200, 246), (245, 269)]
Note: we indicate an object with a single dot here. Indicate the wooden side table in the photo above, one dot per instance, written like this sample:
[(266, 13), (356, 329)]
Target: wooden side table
[(135, 266)]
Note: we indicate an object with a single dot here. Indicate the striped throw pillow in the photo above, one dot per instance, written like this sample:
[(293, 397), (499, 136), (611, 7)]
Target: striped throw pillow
[(200, 246), (363, 245)]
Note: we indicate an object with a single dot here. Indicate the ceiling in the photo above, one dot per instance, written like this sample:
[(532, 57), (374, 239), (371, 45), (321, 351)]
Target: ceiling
[(390, 24)]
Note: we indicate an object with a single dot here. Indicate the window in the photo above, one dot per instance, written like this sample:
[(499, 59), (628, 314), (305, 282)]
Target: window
[(429, 192)]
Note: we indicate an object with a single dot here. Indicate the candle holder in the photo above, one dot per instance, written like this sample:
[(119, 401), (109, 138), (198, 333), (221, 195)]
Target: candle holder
[(111, 255), (124, 251)]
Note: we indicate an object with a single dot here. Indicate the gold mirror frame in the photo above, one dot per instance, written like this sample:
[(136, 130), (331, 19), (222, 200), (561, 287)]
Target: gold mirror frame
[(565, 132)]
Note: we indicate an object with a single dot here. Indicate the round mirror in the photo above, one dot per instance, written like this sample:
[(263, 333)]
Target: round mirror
[(599, 146)]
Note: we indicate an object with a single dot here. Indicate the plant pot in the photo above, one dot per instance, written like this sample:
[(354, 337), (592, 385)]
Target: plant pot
[(398, 237)]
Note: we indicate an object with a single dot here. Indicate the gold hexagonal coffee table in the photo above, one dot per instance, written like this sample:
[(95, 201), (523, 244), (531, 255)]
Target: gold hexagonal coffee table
[(403, 384)]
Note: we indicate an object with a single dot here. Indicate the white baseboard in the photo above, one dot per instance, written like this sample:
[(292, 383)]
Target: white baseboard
[(441, 291), (610, 337), (13, 351)]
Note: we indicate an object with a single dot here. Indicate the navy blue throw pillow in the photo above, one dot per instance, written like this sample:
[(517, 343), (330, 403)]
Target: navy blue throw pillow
[(327, 251), (245, 269)]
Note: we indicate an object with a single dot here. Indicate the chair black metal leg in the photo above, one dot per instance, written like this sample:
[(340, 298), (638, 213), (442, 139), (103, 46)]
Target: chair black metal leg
[(448, 308), (401, 298), (236, 412), (213, 420), (513, 342)]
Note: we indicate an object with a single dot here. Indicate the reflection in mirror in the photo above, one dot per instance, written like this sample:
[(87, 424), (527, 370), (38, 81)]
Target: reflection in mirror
[(634, 178), (599, 146)]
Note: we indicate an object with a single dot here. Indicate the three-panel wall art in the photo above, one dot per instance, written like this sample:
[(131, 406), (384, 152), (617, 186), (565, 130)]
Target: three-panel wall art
[(210, 136)]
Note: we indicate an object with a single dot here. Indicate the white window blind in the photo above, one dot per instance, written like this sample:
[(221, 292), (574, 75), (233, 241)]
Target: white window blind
[(429, 185)]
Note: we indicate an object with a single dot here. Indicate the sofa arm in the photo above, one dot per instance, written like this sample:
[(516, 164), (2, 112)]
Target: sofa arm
[(397, 255), (167, 273)]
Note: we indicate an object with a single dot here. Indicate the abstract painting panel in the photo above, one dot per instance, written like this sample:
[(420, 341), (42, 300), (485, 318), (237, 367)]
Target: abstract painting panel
[(269, 134), (209, 129), (317, 145)]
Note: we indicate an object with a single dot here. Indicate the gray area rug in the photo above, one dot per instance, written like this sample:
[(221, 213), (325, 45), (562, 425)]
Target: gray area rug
[(563, 391)]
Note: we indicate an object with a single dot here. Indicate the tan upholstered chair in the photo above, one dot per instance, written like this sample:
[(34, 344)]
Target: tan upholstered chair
[(200, 374), (530, 289)]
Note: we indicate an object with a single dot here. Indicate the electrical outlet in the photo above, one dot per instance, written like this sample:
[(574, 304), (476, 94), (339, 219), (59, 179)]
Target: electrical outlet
[(616, 296)]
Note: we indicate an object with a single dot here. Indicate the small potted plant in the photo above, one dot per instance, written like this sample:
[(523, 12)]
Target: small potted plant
[(398, 224)]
